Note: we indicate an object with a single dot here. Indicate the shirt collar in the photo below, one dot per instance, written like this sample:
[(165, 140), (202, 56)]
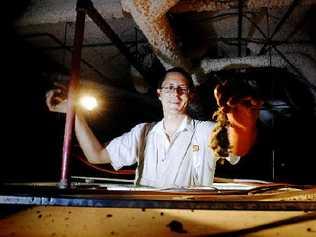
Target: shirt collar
[(186, 124)]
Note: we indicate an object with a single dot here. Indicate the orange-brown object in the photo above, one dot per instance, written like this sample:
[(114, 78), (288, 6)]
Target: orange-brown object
[(242, 130), (235, 129)]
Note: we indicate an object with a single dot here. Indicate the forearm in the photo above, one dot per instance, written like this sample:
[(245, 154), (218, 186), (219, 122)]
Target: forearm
[(91, 147)]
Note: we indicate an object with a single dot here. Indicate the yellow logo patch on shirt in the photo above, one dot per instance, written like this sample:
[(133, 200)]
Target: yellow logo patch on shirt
[(195, 148)]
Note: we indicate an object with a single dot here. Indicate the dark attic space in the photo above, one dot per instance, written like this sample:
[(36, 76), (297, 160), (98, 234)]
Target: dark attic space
[(265, 47)]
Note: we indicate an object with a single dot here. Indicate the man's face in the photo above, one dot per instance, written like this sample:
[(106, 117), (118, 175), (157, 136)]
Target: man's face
[(174, 94)]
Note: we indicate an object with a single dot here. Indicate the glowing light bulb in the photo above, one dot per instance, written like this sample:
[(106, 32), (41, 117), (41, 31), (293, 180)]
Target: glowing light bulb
[(88, 102)]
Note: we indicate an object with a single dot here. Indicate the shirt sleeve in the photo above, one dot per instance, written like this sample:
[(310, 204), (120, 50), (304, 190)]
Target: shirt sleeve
[(123, 150)]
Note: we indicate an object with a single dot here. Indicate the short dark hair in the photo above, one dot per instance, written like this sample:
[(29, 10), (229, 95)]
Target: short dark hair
[(180, 70)]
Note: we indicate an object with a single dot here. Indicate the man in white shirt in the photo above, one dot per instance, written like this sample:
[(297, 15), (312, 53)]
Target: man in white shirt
[(175, 151)]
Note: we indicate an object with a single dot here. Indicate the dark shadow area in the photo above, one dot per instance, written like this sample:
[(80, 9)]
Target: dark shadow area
[(28, 152), (7, 210), (193, 31)]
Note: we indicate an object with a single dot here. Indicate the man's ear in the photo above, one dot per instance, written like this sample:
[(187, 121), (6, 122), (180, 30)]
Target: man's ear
[(158, 93)]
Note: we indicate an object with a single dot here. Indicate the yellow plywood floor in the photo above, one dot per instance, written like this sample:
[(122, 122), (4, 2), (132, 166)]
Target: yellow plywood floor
[(56, 221)]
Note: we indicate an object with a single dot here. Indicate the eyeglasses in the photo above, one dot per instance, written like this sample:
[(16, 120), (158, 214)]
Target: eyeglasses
[(179, 89)]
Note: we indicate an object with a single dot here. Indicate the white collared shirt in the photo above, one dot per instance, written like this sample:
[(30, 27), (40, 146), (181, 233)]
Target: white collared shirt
[(185, 161)]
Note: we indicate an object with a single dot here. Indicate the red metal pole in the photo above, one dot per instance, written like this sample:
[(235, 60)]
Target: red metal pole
[(74, 80)]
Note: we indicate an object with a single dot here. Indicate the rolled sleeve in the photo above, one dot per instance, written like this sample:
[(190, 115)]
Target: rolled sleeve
[(123, 150)]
